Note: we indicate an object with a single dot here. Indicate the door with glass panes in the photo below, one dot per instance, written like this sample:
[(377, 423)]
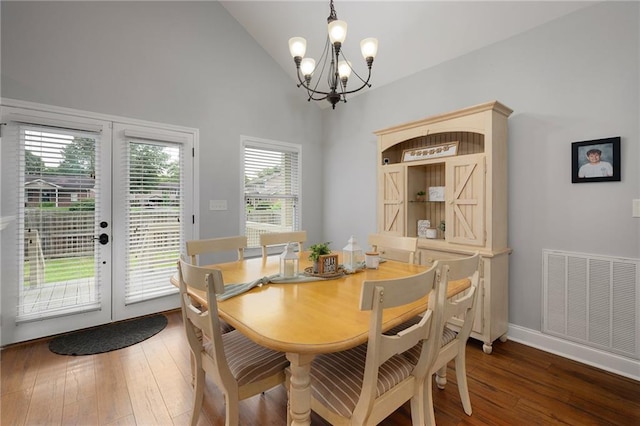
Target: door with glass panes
[(98, 219)]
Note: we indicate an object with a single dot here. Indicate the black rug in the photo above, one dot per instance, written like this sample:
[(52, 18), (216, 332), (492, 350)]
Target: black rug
[(108, 337)]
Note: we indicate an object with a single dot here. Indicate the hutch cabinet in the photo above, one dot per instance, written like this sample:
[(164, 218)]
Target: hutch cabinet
[(462, 154)]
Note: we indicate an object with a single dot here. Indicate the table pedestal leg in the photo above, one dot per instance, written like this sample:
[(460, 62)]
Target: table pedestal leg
[(300, 389)]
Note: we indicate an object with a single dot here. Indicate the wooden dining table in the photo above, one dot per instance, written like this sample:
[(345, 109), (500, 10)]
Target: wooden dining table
[(309, 318)]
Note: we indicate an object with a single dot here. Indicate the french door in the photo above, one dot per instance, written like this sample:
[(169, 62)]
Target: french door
[(100, 211), (149, 210)]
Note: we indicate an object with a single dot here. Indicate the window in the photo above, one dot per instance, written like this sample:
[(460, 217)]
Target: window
[(271, 175), (59, 176), (151, 195)]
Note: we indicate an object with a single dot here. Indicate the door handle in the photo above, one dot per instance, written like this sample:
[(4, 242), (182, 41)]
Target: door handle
[(103, 239)]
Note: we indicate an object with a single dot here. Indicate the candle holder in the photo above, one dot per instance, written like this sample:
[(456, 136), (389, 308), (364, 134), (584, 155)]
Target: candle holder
[(352, 256), (289, 262)]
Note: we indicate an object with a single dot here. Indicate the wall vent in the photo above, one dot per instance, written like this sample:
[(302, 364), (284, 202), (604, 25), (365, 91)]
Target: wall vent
[(593, 300)]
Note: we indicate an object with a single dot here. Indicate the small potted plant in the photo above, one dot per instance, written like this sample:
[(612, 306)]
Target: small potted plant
[(316, 251), (420, 195), (442, 226)]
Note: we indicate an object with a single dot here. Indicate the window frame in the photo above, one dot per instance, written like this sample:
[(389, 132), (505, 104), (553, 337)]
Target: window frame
[(266, 144)]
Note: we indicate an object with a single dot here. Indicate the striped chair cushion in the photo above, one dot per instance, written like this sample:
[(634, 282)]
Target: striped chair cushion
[(248, 361), (336, 378), (448, 336), (225, 327)]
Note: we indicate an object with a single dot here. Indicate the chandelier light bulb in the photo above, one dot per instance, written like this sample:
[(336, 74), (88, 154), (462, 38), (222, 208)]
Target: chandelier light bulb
[(307, 66), (337, 31), (369, 47), (297, 46)]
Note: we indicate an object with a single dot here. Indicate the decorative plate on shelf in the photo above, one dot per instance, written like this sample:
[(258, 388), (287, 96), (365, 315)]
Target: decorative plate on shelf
[(334, 274)]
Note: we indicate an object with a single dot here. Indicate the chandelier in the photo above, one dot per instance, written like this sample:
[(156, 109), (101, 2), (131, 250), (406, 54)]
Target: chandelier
[(338, 68)]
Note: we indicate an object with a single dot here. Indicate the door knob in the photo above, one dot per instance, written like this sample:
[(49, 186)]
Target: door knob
[(103, 239)]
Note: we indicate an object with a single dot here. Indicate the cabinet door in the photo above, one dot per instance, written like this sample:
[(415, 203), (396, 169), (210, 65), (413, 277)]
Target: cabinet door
[(465, 194), (391, 195)]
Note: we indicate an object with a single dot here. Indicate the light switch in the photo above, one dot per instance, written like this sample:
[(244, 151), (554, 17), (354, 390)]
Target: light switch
[(217, 204), (636, 208)]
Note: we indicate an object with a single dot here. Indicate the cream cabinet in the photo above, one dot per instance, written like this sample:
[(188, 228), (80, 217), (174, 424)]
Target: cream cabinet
[(419, 156)]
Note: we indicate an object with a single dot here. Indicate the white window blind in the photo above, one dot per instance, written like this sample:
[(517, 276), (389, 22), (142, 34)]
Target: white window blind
[(59, 173), (271, 173), (155, 203)]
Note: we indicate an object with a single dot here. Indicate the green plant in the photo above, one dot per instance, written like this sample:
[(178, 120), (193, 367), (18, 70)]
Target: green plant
[(318, 250), (442, 226), (421, 193)]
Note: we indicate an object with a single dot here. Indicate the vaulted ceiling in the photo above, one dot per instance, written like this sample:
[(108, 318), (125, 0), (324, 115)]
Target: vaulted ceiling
[(413, 35)]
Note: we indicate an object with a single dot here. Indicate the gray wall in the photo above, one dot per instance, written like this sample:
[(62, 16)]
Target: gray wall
[(571, 80), (190, 64), (181, 63)]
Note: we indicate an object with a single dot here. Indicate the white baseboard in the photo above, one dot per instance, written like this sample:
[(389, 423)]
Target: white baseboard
[(613, 363)]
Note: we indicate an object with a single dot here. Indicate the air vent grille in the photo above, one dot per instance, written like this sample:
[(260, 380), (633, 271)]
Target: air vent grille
[(593, 300)]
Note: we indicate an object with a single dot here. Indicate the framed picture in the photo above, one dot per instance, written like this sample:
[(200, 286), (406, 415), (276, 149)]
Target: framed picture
[(596, 161), (427, 152)]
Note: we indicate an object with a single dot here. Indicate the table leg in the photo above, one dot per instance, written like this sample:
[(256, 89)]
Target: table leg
[(300, 389)]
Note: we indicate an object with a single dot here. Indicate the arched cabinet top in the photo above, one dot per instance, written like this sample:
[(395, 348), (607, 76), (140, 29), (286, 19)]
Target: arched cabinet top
[(475, 119)]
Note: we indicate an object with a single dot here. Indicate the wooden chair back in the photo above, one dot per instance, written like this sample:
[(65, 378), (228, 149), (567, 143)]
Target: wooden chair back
[(393, 247), (280, 238), (202, 322), (239, 367), (462, 307), (384, 360), (454, 337), (195, 248)]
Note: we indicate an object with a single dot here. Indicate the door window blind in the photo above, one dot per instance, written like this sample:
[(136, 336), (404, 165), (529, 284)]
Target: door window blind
[(59, 175), (271, 173), (155, 204)]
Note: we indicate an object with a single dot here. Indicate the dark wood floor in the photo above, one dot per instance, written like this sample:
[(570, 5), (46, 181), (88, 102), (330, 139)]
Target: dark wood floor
[(149, 384)]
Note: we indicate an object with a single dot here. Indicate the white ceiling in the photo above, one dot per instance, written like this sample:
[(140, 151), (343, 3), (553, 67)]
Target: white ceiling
[(412, 35)]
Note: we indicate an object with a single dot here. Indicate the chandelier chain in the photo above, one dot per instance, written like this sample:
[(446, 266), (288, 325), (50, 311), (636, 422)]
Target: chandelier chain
[(332, 14)]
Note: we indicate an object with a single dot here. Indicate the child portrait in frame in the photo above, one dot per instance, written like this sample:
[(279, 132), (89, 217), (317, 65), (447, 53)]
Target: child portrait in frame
[(596, 160)]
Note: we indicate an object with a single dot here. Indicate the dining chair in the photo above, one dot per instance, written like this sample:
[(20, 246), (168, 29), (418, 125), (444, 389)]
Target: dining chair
[(453, 339), (363, 385), (280, 238), (196, 248), (239, 367), (394, 247)]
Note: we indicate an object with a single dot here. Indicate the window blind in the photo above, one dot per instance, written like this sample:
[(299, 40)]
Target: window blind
[(59, 175), (155, 202), (271, 188)]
